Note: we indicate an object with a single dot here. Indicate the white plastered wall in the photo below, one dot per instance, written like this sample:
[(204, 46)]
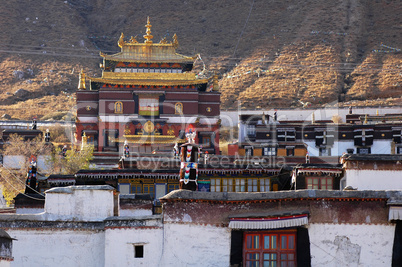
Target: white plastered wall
[(119, 246), (350, 245), (195, 245), (49, 248), (374, 180)]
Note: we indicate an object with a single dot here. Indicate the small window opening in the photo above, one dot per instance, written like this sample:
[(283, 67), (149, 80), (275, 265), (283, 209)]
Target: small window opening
[(139, 251)]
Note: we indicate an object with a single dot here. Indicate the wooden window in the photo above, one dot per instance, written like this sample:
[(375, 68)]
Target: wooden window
[(252, 185), (136, 189), (264, 185), (227, 185), (172, 187), (215, 185), (319, 183), (269, 151), (290, 151), (269, 248), (206, 141), (251, 130), (149, 189), (240, 185)]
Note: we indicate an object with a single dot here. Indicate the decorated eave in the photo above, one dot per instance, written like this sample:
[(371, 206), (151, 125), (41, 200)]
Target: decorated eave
[(149, 52), (234, 171), (150, 82), (335, 171), (114, 175)]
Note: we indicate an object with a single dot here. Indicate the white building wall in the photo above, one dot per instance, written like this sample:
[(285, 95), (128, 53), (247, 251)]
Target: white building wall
[(341, 147), (62, 248), (374, 179), (196, 245), (119, 247), (350, 245), (381, 147), (86, 203), (28, 210)]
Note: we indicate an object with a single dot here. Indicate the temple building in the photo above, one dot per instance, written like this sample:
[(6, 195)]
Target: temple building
[(148, 97)]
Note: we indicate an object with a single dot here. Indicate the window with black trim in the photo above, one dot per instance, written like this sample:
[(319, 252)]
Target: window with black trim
[(364, 150)]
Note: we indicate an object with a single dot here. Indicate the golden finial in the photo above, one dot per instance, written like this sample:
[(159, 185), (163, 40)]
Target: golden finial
[(175, 41), (121, 42), (81, 82), (377, 113), (365, 119), (215, 86), (148, 35), (84, 141)]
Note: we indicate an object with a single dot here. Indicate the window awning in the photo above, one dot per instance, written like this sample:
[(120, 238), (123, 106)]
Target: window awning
[(395, 213), (269, 222)]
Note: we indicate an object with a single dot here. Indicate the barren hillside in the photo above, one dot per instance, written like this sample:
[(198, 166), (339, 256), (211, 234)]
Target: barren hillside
[(268, 53)]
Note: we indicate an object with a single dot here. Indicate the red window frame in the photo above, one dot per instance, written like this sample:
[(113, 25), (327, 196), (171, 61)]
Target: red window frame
[(320, 182), (272, 248)]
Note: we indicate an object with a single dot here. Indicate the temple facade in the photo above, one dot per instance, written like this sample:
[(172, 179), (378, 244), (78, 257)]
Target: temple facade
[(148, 97)]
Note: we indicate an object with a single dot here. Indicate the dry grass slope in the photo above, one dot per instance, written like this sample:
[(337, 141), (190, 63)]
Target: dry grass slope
[(269, 53)]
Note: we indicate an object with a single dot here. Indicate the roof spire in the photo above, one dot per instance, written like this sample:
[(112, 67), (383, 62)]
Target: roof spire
[(148, 35), (81, 83)]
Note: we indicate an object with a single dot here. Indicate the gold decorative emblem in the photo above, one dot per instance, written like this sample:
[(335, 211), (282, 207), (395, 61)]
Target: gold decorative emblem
[(149, 127), (88, 108), (170, 131), (209, 109), (127, 130)]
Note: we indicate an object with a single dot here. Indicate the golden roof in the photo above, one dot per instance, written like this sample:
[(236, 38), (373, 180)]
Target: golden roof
[(148, 52)]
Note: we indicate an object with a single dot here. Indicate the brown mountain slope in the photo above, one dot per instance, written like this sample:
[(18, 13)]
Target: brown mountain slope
[(269, 53)]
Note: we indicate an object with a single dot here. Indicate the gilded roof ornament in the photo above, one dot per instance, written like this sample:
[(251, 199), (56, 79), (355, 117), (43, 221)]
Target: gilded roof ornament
[(81, 82), (163, 41), (175, 41), (121, 42), (148, 37), (133, 40), (215, 82)]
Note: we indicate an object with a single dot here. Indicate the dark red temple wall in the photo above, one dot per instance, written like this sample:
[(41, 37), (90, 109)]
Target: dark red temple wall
[(107, 107), (87, 96), (208, 97), (181, 96), (87, 108), (189, 108), (117, 96), (215, 109)]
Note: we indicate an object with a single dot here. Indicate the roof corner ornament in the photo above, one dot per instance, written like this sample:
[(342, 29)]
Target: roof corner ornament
[(133, 40), (163, 41), (81, 82), (148, 37), (121, 42), (175, 41)]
